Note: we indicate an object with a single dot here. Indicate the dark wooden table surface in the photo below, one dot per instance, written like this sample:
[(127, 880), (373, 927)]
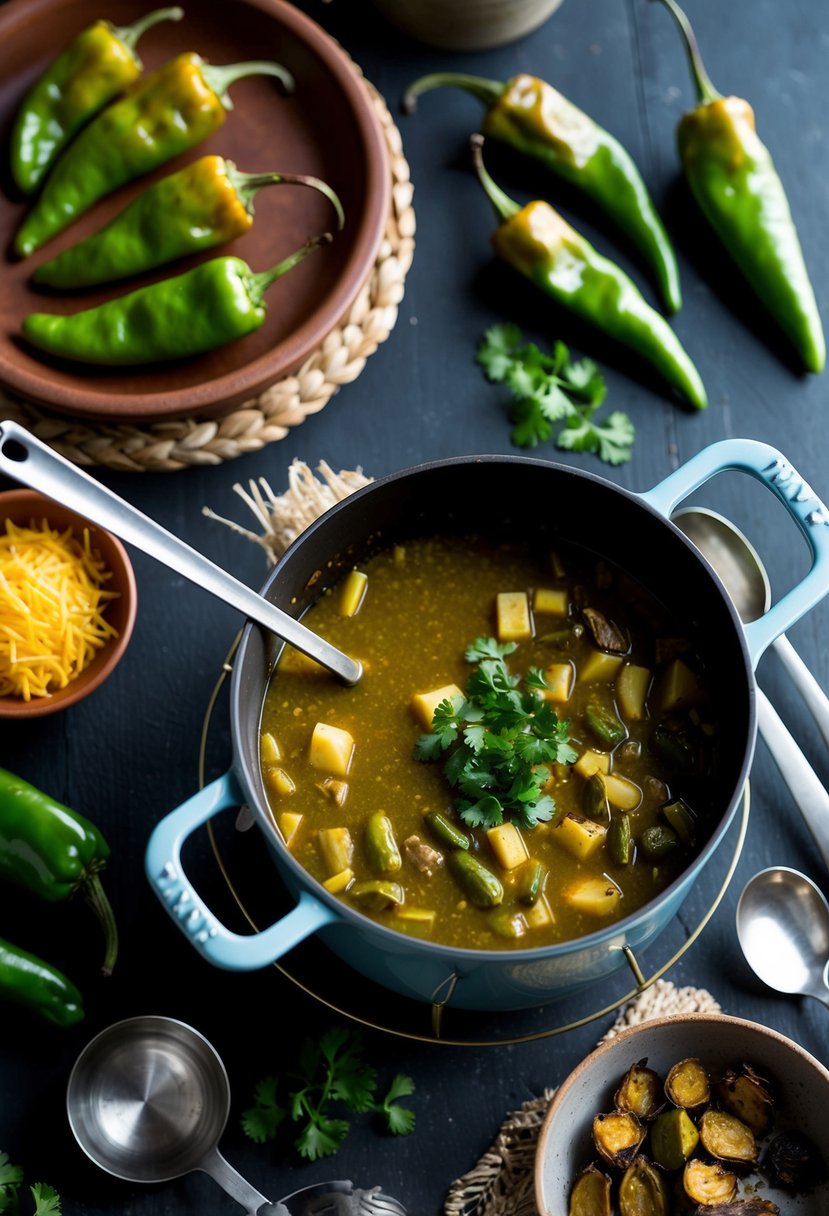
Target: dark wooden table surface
[(130, 753)]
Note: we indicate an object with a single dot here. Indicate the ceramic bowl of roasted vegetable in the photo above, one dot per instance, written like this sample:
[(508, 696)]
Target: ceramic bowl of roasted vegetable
[(695, 1113)]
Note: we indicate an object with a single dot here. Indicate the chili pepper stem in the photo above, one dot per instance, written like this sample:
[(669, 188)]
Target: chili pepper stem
[(95, 896), (258, 284), (221, 76), (487, 91), (705, 88), (505, 207), (247, 184), (130, 34)]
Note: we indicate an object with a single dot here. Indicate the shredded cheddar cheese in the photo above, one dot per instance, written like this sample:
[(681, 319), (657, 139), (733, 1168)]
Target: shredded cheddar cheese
[(52, 604)]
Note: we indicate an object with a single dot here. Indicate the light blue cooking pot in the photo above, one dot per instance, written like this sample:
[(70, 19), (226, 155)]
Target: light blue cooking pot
[(632, 530)]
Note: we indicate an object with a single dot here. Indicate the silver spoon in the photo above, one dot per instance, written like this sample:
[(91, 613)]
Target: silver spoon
[(783, 928), (746, 581), (38, 466), (739, 566)]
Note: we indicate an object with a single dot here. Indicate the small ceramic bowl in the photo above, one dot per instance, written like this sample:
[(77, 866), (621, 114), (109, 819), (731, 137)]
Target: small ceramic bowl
[(467, 25), (21, 506), (799, 1082)]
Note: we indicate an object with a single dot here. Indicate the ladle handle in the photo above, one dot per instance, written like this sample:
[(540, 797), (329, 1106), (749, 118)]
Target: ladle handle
[(802, 780), (770, 467), (805, 683), (38, 466), (232, 1182)]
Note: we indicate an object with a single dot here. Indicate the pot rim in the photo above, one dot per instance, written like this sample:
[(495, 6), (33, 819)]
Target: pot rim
[(605, 934)]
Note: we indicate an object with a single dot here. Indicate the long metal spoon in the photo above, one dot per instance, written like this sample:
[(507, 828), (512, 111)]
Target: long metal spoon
[(783, 928), (38, 466), (745, 580)]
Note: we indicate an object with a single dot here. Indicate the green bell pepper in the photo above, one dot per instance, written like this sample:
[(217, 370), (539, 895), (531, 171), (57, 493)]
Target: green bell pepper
[(27, 980)]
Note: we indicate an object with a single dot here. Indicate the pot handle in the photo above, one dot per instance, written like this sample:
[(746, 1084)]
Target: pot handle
[(769, 466), (232, 951)]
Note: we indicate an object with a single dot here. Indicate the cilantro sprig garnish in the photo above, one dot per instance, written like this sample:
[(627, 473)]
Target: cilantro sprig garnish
[(498, 741), (45, 1198), (553, 389), (331, 1077)]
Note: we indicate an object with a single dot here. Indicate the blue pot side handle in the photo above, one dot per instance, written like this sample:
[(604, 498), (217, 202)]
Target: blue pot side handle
[(770, 467), (232, 951)]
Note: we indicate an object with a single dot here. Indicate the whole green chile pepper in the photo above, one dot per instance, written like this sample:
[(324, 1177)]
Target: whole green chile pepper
[(53, 852), (27, 980), (97, 65), (189, 314), (538, 242), (532, 117)]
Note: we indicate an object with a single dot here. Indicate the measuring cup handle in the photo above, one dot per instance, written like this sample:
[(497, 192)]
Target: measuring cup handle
[(767, 465), (232, 951)]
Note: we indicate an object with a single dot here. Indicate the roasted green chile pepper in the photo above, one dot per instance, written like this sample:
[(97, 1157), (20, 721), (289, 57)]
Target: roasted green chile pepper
[(531, 116), (538, 242), (203, 205), (191, 313), (163, 114), (28, 981), (54, 853), (98, 64), (733, 179)]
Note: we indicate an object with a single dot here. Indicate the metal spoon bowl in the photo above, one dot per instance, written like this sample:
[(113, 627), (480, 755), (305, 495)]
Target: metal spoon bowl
[(783, 929)]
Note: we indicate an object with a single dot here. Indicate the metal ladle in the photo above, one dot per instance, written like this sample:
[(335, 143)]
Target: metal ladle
[(783, 928), (148, 1099), (747, 583), (28, 460)]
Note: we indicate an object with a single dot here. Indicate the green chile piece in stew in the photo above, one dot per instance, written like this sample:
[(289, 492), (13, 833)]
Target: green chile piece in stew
[(428, 600)]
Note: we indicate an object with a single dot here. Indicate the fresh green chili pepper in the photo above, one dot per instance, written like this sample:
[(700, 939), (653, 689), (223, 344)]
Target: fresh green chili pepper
[(734, 181), (27, 980), (191, 313), (202, 205), (531, 116), (163, 114), (98, 64), (54, 852), (536, 240)]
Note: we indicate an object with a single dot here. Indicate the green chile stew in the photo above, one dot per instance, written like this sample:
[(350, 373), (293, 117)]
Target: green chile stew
[(408, 825)]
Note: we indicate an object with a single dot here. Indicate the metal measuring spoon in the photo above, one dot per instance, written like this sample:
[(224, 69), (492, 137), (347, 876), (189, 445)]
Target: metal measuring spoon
[(746, 582), (36, 465), (783, 927), (148, 1099)]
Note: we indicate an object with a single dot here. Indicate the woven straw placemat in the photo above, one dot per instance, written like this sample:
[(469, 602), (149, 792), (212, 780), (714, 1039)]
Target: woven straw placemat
[(173, 444), (502, 1183)]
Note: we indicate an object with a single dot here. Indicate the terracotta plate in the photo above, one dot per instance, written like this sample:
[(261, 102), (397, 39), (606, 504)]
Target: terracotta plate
[(327, 128)]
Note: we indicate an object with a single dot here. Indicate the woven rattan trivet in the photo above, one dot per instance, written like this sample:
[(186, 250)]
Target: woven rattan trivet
[(502, 1183), (170, 445)]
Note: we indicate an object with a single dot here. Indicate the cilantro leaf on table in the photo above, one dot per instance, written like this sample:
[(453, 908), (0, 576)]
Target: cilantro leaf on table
[(47, 1200), (331, 1079), (502, 740), (551, 391)]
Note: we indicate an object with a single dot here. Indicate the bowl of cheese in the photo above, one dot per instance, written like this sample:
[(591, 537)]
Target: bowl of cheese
[(67, 605)]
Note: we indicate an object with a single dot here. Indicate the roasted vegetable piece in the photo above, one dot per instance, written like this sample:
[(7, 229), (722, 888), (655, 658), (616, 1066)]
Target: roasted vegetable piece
[(28, 981), (618, 1137), (673, 1138), (540, 244), (643, 1191), (678, 743), (601, 718), (205, 204), (530, 885), (479, 883), (590, 1195), (535, 119), (97, 65), (594, 799), (54, 852), (640, 1091), (708, 1182), (734, 181), (215, 303), (727, 1139), (606, 634), (619, 839), (165, 113), (380, 845), (377, 894), (658, 841), (445, 830), (748, 1096), (682, 819), (794, 1162), (688, 1084)]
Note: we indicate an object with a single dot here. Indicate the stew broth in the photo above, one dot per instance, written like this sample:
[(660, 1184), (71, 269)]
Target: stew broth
[(381, 829)]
